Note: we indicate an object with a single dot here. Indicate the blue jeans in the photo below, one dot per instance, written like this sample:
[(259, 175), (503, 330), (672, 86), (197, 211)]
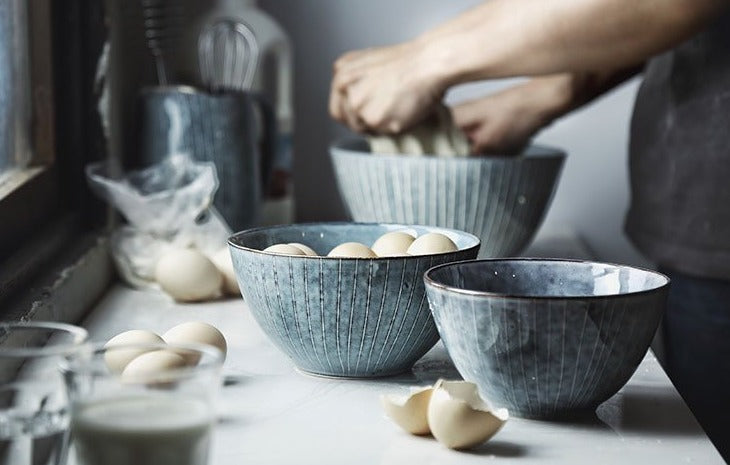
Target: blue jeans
[(696, 329)]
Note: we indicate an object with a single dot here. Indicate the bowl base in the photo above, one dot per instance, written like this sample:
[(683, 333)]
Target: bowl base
[(388, 374), (585, 415)]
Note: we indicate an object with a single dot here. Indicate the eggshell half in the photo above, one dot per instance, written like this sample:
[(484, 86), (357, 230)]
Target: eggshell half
[(352, 250), (188, 276), (118, 359), (153, 363), (222, 260), (459, 418), (285, 249), (196, 332), (393, 244), (304, 248), (432, 243), (410, 412)]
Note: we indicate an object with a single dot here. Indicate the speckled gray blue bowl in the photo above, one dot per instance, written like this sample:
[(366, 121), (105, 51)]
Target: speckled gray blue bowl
[(546, 338), (502, 200), (343, 317)]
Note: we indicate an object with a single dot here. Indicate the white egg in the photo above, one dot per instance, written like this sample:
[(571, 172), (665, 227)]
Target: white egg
[(459, 418), (352, 250), (393, 244), (222, 260), (153, 364), (196, 332), (306, 249), (410, 412), (118, 359), (432, 243), (188, 276), (285, 249)]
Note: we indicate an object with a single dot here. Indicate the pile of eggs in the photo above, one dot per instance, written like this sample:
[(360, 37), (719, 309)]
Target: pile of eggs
[(392, 244), (130, 361), (451, 411), (188, 275)]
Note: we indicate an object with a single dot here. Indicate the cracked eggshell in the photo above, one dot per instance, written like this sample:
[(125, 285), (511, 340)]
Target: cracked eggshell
[(459, 418), (188, 276), (222, 260), (118, 359), (153, 363), (352, 250), (304, 248), (410, 412), (393, 244), (196, 332), (284, 249), (432, 243)]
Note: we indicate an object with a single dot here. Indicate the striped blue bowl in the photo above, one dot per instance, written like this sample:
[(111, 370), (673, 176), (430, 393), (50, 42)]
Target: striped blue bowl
[(546, 338), (342, 317), (502, 200)]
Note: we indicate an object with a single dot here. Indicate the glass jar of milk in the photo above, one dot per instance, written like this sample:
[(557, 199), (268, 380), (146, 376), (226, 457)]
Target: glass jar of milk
[(143, 404)]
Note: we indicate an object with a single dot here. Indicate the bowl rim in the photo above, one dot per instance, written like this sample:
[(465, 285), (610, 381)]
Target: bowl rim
[(232, 237), (430, 282), (343, 146)]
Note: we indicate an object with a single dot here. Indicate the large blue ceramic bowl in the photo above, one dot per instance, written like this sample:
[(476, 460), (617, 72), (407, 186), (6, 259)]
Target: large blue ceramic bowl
[(501, 200), (345, 317), (546, 338)]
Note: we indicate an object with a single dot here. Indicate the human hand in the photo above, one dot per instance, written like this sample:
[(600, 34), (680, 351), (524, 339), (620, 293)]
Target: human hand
[(384, 90), (503, 123)]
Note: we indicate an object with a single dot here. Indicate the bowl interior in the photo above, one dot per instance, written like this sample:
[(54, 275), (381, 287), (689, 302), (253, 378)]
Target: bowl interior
[(361, 146), (535, 278), (323, 237)]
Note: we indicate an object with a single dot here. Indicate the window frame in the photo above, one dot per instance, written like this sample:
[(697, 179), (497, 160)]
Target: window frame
[(46, 208)]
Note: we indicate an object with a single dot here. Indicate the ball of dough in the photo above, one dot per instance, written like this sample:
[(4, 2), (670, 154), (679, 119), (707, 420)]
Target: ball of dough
[(432, 243), (285, 249), (352, 250), (153, 363), (196, 332), (188, 276), (411, 144), (306, 249), (393, 244), (118, 359), (436, 135), (222, 260), (383, 145)]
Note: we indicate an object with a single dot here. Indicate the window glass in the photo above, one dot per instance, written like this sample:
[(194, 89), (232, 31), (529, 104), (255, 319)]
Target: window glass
[(14, 86)]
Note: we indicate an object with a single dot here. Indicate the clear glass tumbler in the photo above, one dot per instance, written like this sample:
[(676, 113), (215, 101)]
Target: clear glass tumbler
[(157, 412), (34, 408)]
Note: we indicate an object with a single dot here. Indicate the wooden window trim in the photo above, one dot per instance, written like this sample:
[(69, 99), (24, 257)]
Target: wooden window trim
[(49, 224)]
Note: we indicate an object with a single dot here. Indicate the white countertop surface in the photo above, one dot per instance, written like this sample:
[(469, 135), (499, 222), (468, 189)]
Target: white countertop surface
[(275, 415)]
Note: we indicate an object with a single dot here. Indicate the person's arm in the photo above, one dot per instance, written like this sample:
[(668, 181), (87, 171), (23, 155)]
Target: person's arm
[(504, 122), (503, 38), (391, 88)]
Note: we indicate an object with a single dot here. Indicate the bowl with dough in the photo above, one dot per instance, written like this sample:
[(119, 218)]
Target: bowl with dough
[(351, 314), (502, 200), (546, 338)]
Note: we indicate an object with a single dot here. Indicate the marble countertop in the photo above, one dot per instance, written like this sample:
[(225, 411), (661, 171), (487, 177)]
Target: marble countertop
[(275, 415)]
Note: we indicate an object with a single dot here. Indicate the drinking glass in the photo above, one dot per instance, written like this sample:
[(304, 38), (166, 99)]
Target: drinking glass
[(160, 417), (34, 413)]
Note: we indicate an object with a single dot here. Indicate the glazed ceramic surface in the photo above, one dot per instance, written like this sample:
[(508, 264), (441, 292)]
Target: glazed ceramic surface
[(344, 317), (502, 200), (546, 338)]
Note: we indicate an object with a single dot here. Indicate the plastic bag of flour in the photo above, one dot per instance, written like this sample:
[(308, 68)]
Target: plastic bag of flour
[(166, 205)]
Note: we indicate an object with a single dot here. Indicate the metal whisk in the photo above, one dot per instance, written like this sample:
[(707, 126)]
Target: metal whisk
[(163, 20), (228, 55)]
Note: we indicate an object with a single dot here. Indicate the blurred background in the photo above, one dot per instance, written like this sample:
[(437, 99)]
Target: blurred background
[(593, 193)]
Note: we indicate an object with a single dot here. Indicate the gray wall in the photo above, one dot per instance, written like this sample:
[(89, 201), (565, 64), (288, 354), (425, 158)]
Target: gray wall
[(593, 194)]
